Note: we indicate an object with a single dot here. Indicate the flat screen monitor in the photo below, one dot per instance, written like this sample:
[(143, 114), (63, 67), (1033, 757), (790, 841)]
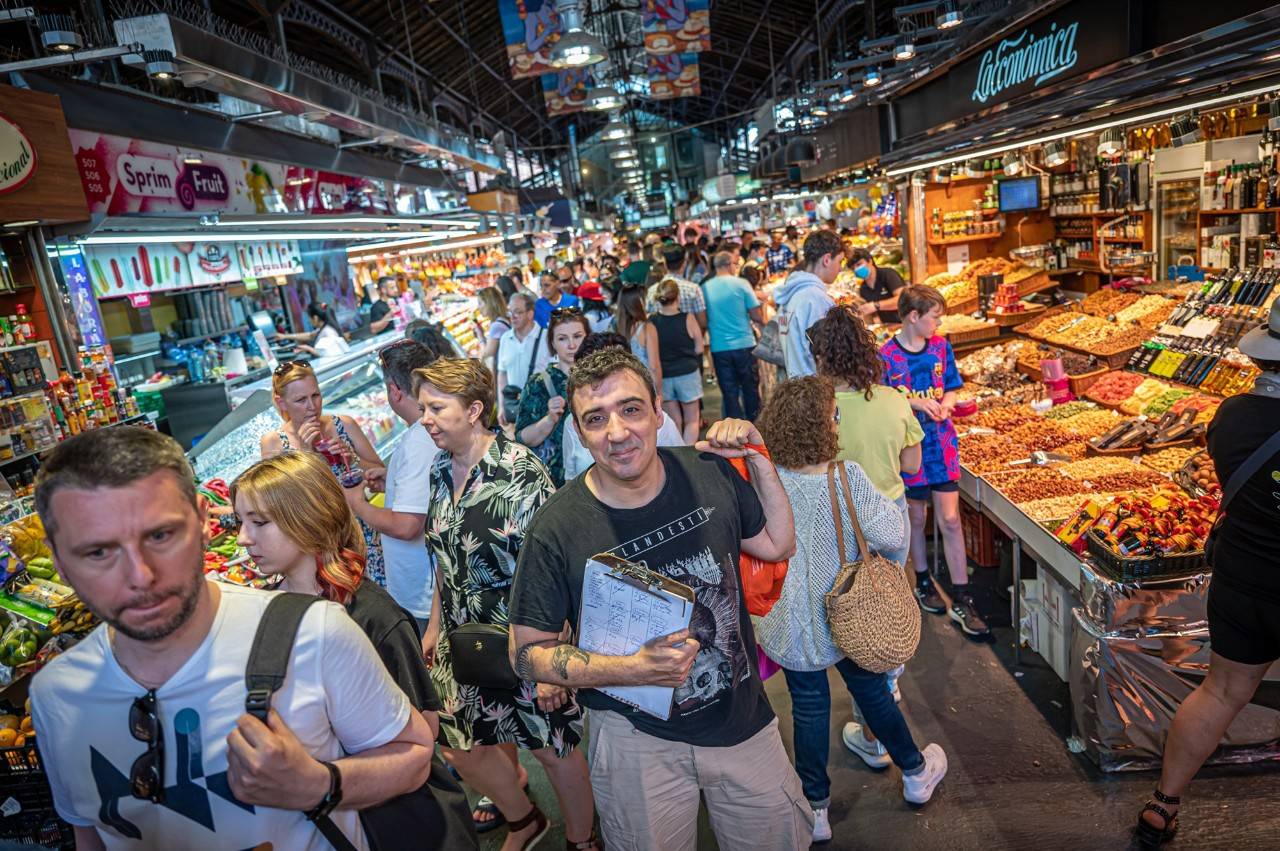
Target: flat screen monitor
[(1019, 193), (262, 322)]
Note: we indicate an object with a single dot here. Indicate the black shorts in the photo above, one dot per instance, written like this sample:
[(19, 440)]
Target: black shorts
[(921, 493), (1243, 627)]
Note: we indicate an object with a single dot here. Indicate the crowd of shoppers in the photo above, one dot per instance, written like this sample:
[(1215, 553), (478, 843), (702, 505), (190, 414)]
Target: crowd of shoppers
[(579, 430)]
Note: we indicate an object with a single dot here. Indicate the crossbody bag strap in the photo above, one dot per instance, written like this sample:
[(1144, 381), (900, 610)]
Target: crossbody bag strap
[(835, 510), (1246, 470), (533, 357), (863, 552)]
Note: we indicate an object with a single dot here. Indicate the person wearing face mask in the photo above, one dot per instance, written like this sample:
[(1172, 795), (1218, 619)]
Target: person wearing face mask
[(540, 421), (296, 393), (485, 489), (878, 287)]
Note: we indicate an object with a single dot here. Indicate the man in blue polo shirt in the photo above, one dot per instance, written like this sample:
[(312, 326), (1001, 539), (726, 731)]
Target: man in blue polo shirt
[(552, 299)]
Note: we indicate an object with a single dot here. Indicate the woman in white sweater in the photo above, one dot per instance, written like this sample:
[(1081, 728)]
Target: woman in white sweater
[(799, 427)]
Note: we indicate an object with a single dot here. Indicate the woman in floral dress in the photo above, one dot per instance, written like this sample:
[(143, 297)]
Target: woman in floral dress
[(485, 489)]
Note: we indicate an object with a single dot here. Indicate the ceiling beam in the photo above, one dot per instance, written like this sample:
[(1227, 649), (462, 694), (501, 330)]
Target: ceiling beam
[(745, 49)]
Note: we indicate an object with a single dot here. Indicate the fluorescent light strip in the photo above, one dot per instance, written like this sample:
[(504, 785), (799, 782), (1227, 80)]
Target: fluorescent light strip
[(1081, 131), (156, 239), (322, 221), (466, 243), (397, 243)]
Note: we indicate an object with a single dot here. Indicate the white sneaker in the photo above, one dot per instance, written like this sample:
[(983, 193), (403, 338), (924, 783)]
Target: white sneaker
[(821, 825), (918, 788), (872, 753)]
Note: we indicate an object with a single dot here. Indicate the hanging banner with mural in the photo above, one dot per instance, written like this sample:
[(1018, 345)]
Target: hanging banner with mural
[(566, 91), (674, 76), (123, 176), (676, 26), (122, 270), (529, 28)]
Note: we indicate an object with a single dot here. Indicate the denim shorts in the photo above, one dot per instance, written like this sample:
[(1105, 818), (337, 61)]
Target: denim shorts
[(682, 388), (921, 493)]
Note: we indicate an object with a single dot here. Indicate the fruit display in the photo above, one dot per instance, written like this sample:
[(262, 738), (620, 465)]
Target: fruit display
[(226, 561), (959, 323), (1165, 401), (1114, 387), (1198, 475), (1091, 469), (1059, 508), (1134, 479), (1149, 312), (1041, 434), (1070, 409), (1143, 394), (1091, 423), (17, 731), (1167, 460), (1107, 301), (1037, 483), (1002, 357)]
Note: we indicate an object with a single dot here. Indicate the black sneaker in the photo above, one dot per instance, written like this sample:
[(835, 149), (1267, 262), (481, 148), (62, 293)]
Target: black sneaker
[(964, 613), (927, 597)]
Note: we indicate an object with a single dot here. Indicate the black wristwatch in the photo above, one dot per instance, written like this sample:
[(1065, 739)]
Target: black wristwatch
[(332, 798)]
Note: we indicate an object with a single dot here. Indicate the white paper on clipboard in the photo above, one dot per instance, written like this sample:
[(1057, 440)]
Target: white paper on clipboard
[(619, 615)]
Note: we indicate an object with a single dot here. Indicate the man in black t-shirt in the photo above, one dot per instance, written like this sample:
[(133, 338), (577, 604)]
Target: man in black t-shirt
[(687, 514), (878, 287), (380, 311)]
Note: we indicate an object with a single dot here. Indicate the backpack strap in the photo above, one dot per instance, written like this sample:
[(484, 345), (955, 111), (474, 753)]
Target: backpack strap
[(272, 647), (266, 669)]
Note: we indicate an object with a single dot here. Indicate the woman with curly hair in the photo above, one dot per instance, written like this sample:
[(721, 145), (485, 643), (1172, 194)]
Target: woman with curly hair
[(798, 425), (876, 425)]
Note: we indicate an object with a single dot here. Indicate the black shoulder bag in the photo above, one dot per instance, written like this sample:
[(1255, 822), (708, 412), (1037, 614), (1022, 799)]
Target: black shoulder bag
[(1242, 474), (511, 393), (417, 814)]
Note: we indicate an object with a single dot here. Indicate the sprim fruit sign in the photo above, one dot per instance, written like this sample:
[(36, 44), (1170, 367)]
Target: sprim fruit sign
[(17, 156)]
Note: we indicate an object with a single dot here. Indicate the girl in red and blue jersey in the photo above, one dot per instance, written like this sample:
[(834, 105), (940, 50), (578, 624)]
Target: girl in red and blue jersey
[(920, 364)]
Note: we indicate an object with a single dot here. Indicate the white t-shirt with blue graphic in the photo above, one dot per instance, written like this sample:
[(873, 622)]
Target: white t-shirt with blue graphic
[(337, 698)]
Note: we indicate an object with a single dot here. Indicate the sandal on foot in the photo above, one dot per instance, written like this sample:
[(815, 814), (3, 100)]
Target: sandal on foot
[(535, 816), (1150, 836), (486, 805), (591, 843)]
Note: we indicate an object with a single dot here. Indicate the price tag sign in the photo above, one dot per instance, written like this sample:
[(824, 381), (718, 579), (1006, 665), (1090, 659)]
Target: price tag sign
[(265, 347), (138, 300), (1201, 327)]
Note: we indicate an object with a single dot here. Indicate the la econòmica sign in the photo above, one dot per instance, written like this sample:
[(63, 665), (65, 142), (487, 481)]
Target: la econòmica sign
[(1026, 57), (18, 159)]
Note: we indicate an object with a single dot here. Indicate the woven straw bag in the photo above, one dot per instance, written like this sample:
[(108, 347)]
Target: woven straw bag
[(871, 609)]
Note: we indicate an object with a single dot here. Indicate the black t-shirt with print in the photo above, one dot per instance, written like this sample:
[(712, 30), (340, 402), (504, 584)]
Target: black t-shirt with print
[(1247, 547), (887, 280), (691, 532), (379, 310)]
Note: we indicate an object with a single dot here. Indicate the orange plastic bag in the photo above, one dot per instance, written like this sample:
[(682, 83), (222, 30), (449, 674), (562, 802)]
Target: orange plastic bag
[(761, 580)]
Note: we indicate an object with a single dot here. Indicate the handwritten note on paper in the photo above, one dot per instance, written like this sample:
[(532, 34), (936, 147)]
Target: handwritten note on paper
[(618, 617)]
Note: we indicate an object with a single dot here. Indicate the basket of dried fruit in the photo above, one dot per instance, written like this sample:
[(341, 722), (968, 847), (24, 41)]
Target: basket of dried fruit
[(1197, 475)]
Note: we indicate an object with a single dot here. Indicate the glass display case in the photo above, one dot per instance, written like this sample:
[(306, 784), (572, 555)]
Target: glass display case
[(356, 389), (1177, 205)]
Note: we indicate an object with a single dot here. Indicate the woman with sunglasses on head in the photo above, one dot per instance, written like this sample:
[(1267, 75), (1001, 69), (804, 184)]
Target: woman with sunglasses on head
[(485, 489), (337, 438), (540, 422), (296, 524)]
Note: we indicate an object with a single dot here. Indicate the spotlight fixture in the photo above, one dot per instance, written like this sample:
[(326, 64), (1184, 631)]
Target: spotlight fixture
[(159, 64), (604, 98), (1055, 154), (1013, 165), (949, 15), (820, 111), (58, 33), (872, 78), (192, 159), (576, 48), (1111, 142), (622, 153), (847, 95), (903, 47), (615, 130)]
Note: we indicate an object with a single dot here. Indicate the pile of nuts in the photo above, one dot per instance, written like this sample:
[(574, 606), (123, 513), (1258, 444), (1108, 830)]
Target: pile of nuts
[(1107, 301), (1203, 474), (1070, 409), (1004, 419), (1092, 469), (1091, 423), (1131, 481), (1041, 434), (1168, 460), (1026, 485), (1057, 507)]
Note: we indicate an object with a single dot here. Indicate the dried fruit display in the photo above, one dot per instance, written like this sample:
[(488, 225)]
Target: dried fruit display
[(1167, 460), (1025, 490), (1070, 409), (1114, 387), (1144, 309), (1059, 507), (1107, 301), (1041, 434), (1092, 469), (1004, 419), (1091, 423), (1000, 357), (1135, 480), (1162, 403), (1199, 475), (959, 323)]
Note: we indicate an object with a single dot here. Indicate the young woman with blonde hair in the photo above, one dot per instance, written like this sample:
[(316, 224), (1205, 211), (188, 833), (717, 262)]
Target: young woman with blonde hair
[(296, 524)]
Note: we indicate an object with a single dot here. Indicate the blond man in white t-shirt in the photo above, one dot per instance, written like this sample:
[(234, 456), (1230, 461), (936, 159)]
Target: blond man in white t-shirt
[(143, 730)]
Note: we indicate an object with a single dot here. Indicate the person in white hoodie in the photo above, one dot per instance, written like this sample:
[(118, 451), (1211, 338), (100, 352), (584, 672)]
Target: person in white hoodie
[(803, 299)]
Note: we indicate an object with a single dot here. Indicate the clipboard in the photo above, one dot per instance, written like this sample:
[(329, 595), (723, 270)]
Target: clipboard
[(624, 605)]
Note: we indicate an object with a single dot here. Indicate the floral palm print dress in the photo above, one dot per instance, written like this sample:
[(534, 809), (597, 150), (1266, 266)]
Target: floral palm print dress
[(476, 543)]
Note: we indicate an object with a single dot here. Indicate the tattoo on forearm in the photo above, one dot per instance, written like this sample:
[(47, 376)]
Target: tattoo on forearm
[(563, 655), (524, 667)]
